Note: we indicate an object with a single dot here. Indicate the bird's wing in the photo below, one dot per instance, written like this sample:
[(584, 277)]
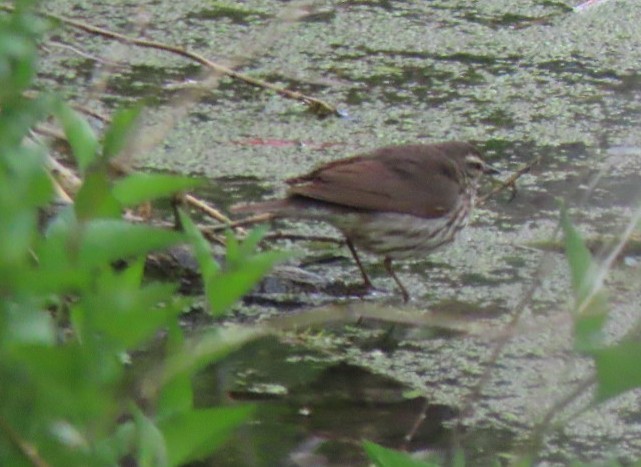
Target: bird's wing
[(382, 184)]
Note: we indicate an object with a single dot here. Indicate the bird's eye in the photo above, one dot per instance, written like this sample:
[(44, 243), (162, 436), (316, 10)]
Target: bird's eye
[(475, 164)]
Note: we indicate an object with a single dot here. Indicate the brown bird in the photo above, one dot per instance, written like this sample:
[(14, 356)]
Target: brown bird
[(399, 202)]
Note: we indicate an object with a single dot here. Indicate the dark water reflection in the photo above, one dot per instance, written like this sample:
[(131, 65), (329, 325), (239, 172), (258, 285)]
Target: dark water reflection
[(315, 413)]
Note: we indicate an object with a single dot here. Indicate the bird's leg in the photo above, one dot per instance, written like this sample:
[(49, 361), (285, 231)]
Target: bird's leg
[(388, 267), (367, 284)]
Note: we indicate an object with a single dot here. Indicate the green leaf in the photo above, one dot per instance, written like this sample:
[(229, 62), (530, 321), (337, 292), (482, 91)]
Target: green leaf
[(129, 317), (131, 276), (251, 241), (177, 395), (224, 289), (232, 254), (243, 269), (384, 457), (104, 241), (27, 182), (119, 133), (208, 265), (57, 253), (18, 54), (204, 350), (196, 433), (579, 258), (588, 326), (25, 323), (81, 137), (152, 448), (65, 380), (238, 252), (140, 187), (590, 304), (617, 369), (118, 445), (71, 254), (24, 184), (16, 235), (94, 199)]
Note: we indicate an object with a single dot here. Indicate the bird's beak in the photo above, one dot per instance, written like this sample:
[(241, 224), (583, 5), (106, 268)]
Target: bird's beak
[(489, 170)]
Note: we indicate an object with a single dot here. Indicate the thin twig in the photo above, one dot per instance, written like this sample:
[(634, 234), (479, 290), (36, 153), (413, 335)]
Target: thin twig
[(87, 55), (257, 219), (26, 448), (539, 432), (213, 237), (510, 182), (47, 130), (501, 342), (66, 182), (407, 439), (79, 107), (92, 113), (207, 209), (606, 265), (318, 106)]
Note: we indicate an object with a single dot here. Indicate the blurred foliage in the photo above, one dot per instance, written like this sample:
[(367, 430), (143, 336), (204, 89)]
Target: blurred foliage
[(69, 317), (616, 364), (384, 457)]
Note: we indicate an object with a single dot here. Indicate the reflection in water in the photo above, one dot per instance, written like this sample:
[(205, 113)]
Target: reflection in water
[(317, 413)]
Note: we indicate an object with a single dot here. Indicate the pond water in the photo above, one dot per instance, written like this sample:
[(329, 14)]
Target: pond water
[(522, 80)]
